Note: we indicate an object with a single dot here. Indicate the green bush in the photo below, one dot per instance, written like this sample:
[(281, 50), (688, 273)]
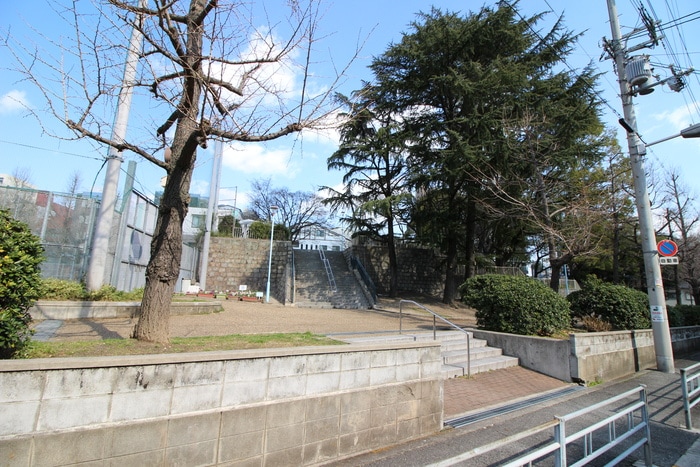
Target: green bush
[(108, 293), (515, 304), (622, 307), (20, 283), (60, 289), (684, 315)]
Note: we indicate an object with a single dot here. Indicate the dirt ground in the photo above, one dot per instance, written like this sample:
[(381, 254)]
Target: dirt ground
[(256, 318)]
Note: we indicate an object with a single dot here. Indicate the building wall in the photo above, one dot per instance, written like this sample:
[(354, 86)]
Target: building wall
[(274, 407)]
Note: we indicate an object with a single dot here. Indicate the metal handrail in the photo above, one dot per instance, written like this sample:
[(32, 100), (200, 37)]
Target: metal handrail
[(444, 320), (357, 265), (560, 440), (690, 386), (294, 277), (329, 270)]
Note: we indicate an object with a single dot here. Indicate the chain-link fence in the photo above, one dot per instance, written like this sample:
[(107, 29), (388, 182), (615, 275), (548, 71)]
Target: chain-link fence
[(63, 223)]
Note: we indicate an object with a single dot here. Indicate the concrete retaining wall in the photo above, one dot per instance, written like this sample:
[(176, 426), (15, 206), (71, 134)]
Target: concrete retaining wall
[(544, 355), (48, 309), (602, 356), (595, 356), (273, 407)]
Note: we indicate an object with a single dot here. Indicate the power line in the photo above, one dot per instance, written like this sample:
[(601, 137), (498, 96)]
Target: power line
[(51, 150)]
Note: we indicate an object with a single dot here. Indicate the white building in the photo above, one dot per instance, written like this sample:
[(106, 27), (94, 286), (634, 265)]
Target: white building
[(315, 238)]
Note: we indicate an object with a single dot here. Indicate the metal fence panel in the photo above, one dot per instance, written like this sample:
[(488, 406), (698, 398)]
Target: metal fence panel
[(63, 223)]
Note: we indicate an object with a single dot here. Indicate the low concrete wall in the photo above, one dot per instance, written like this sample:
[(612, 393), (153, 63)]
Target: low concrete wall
[(274, 407), (602, 356), (685, 339), (49, 309), (593, 356), (544, 355)]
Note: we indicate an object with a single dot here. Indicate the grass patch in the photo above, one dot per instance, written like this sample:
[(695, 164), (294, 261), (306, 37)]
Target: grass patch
[(106, 347)]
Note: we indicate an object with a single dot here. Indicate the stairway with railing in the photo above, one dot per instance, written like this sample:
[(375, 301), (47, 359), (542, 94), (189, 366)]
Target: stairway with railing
[(324, 280)]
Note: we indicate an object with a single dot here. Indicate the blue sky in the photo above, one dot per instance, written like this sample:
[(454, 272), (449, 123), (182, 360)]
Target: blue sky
[(299, 163)]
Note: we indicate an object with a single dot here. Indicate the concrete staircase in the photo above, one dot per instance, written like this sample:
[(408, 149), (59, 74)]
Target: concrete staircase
[(453, 349), (312, 286)]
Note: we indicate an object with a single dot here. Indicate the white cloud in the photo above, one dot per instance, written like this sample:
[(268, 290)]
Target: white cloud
[(259, 161), (200, 187), (13, 101), (678, 118)]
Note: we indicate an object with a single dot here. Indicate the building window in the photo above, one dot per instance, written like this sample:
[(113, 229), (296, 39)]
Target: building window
[(198, 221)]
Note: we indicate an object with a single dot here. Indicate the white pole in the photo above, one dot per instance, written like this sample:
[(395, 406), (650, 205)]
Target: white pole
[(655, 285), (210, 217), (103, 228), (273, 210)]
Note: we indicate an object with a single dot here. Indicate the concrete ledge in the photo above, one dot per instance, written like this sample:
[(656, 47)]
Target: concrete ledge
[(48, 309), (292, 406), (590, 356)]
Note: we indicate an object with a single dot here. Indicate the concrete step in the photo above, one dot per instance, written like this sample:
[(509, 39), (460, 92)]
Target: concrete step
[(313, 304), (477, 353), (453, 349), (482, 365)]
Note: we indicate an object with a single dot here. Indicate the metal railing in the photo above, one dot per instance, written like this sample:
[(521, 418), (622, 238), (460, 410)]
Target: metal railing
[(690, 386), (329, 270), (558, 446), (444, 320), (369, 284)]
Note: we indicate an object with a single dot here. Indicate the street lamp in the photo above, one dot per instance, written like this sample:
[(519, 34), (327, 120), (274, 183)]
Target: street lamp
[(273, 211)]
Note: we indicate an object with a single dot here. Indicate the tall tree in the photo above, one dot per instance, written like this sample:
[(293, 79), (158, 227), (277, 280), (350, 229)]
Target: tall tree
[(455, 81), (206, 72), (372, 158)]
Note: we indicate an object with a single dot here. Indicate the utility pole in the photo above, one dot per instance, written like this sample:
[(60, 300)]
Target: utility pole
[(637, 150), (212, 210), (103, 227)]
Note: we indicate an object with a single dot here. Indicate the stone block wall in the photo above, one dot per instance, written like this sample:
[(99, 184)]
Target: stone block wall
[(244, 261), (274, 407), (420, 269)]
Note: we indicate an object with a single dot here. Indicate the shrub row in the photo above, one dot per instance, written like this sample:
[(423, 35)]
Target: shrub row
[(522, 305), (58, 289)]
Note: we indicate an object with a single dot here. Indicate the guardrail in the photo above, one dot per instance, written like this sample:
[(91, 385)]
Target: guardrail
[(690, 386), (558, 446), (444, 320)]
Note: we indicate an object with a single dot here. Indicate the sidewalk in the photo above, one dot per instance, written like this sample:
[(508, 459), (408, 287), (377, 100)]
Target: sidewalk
[(672, 444)]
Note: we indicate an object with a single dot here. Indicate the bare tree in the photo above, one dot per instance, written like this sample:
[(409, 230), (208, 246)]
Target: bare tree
[(207, 71), (298, 210), (682, 218), (21, 177)]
